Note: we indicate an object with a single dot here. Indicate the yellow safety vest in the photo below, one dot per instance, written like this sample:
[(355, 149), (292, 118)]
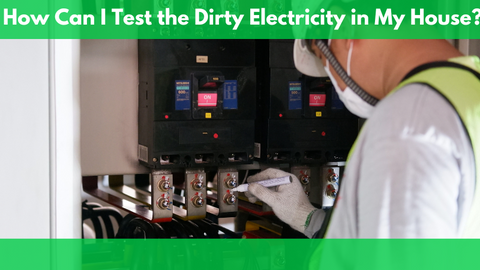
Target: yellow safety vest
[(458, 80)]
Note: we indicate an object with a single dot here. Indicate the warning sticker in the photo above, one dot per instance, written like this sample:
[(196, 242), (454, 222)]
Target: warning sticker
[(182, 95), (230, 100), (202, 59), (295, 95)]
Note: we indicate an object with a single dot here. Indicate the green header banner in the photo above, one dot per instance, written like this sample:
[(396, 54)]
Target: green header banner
[(241, 254), (239, 19)]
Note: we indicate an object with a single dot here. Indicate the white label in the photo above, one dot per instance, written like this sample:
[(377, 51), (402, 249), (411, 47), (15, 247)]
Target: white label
[(143, 153), (257, 150), (202, 59)]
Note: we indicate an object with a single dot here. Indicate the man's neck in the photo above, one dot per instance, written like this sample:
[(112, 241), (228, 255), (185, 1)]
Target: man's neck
[(409, 54)]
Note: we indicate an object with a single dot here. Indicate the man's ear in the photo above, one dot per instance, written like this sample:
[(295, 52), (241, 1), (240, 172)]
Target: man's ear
[(315, 49), (343, 43)]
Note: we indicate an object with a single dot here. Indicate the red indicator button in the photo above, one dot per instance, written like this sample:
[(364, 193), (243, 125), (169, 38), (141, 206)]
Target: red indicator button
[(215, 136), (280, 115), (207, 99), (166, 117), (317, 100), (323, 133)]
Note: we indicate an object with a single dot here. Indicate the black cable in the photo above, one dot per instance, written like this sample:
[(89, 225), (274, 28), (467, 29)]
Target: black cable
[(93, 211), (205, 226), (188, 232), (139, 228), (159, 231), (179, 229), (113, 213), (105, 214), (123, 226), (108, 225), (167, 227), (192, 230), (87, 213), (198, 230)]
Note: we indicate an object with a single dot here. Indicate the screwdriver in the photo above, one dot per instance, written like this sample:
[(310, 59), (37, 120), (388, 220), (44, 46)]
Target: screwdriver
[(266, 183)]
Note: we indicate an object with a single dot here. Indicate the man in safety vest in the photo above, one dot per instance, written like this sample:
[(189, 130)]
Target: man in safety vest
[(412, 171)]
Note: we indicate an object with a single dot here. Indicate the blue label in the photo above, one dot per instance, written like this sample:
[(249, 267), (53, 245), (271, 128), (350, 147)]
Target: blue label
[(230, 95), (337, 104), (182, 95), (295, 95)]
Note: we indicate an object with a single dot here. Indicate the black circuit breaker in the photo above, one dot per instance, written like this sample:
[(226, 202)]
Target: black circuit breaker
[(196, 102), (300, 118)]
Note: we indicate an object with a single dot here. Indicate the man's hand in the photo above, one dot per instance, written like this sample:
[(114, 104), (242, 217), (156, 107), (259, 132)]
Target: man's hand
[(289, 202)]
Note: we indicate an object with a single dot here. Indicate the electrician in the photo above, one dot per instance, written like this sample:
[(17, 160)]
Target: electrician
[(411, 173)]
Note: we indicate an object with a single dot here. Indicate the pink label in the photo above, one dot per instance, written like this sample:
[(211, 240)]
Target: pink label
[(207, 100), (317, 100)]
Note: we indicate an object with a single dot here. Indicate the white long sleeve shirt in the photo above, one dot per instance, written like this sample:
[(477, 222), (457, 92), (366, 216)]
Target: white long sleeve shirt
[(412, 174)]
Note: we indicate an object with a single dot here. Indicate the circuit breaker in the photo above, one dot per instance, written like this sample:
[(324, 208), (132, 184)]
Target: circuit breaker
[(300, 119), (196, 102)]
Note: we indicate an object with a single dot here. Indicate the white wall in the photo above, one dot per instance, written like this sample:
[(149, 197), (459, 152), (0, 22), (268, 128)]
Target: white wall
[(24, 138), (35, 123), (65, 138), (109, 107)]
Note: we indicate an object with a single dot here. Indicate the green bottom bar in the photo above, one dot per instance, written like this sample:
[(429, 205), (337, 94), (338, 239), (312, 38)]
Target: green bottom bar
[(245, 254)]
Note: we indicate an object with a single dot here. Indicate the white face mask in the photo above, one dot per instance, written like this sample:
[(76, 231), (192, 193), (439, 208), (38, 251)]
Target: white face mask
[(354, 103)]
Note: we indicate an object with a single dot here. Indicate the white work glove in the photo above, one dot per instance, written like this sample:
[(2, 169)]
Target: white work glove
[(289, 202)]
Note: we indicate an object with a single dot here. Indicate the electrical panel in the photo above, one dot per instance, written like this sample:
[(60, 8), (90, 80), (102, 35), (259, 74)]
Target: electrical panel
[(208, 109), (300, 118), (196, 102)]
